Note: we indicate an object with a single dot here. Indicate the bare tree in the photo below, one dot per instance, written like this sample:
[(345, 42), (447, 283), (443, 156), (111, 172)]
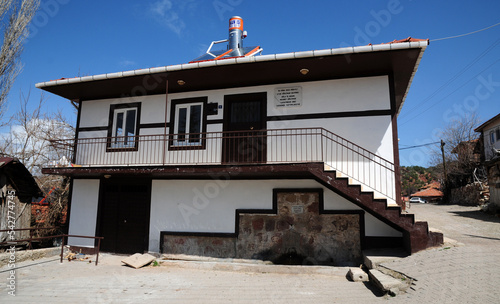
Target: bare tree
[(15, 17), (31, 133), (461, 149), (30, 140), (52, 210)]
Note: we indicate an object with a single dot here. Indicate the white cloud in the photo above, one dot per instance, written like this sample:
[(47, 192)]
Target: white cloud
[(173, 13), (164, 12), (126, 63)]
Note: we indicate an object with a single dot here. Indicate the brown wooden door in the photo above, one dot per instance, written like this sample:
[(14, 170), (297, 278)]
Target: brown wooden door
[(124, 215), (244, 125)]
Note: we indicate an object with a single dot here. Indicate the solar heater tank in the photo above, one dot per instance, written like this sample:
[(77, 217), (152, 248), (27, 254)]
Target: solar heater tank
[(236, 35)]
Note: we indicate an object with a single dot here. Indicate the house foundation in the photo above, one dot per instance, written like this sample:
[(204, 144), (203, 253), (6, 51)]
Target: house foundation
[(300, 232)]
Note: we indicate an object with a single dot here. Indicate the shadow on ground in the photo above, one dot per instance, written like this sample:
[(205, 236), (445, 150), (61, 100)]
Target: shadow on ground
[(478, 215)]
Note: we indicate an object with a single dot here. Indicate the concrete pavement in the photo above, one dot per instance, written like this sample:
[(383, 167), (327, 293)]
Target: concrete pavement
[(467, 272), (463, 274), (180, 282)]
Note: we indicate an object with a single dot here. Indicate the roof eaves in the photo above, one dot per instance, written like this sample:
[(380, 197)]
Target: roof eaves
[(481, 127), (422, 44)]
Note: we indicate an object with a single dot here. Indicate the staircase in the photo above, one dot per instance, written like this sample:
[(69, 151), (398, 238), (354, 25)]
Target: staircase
[(416, 235)]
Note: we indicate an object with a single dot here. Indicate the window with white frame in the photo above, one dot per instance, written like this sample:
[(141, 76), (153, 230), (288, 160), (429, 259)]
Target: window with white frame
[(123, 127), (492, 137), (188, 123)]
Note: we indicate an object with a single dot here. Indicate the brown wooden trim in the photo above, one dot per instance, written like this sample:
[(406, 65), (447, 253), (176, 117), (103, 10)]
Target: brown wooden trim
[(215, 121), (154, 125), (90, 129), (68, 210), (395, 141), (141, 126), (173, 104), (330, 115), (78, 120), (112, 109), (272, 211)]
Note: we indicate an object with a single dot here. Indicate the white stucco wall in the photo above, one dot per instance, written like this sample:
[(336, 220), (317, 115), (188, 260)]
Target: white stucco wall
[(373, 133), (83, 214), (210, 205)]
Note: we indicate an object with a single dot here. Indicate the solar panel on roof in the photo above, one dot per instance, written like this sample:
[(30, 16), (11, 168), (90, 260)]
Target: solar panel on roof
[(216, 55), (235, 44)]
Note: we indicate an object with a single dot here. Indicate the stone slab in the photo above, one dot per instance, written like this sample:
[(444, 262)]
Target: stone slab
[(374, 257), (387, 283), (357, 275), (26, 255), (138, 260)]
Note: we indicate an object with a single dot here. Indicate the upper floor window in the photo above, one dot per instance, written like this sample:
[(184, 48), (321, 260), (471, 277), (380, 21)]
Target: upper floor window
[(492, 137), (188, 122), (498, 134), (123, 126)]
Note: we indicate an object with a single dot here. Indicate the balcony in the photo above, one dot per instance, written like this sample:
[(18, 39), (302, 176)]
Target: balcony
[(261, 147)]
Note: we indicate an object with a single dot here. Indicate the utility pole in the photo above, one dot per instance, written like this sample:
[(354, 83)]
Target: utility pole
[(446, 188), (444, 162)]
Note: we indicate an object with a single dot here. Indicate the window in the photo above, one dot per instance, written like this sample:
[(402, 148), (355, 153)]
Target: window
[(492, 137), (188, 121), (123, 126), (498, 134)]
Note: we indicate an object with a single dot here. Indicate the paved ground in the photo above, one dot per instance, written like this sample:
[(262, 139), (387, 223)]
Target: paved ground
[(78, 282), (464, 274)]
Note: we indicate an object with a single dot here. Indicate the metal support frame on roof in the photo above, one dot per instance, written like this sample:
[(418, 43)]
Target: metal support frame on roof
[(212, 44)]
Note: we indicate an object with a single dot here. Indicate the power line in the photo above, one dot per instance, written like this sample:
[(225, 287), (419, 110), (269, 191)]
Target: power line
[(442, 99), (447, 83), (418, 146), (457, 36)]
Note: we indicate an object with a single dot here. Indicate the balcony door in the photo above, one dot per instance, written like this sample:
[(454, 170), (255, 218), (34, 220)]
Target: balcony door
[(244, 128)]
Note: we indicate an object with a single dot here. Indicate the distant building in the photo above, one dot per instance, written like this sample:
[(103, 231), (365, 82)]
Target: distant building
[(17, 189), (431, 194), (490, 135)]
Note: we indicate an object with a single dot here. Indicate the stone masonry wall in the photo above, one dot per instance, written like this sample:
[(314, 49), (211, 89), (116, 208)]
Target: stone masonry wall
[(217, 247), (298, 234)]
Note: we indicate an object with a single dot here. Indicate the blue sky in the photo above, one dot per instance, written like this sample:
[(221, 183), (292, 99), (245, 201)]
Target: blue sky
[(456, 76)]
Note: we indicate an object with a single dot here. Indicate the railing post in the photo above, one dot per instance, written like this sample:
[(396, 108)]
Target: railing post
[(62, 248), (31, 236), (322, 152), (397, 176), (98, 249)]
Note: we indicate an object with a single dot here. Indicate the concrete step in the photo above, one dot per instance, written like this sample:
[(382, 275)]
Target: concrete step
[(364, 188), (387, 283), (374, 257)]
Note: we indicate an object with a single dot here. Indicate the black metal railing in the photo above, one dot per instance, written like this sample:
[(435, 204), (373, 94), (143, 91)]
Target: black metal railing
[(297, 145)]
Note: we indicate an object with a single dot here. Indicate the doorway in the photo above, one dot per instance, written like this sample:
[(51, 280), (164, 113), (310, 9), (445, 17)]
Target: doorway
[(244, 128), (123, 221)]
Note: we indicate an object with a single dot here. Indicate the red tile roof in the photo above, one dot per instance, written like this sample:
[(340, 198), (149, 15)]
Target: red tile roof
[(409, 39), (430, 192)]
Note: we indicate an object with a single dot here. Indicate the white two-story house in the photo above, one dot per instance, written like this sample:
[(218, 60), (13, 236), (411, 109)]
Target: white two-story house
[(285, 156), (490, 137)]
